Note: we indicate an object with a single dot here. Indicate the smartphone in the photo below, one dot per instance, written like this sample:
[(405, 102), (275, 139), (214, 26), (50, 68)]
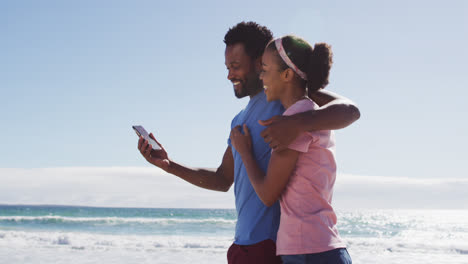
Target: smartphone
[(141, 132)]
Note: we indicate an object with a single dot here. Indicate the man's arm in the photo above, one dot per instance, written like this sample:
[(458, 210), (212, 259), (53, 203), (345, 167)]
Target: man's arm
[(219, 179), (335, 112)]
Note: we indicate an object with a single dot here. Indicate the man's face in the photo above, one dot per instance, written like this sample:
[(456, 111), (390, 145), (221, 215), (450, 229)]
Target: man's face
[(242, 71)]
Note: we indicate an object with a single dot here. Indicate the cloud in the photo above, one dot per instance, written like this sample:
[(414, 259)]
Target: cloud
[(113, 186), (354, 191), (152, 187)]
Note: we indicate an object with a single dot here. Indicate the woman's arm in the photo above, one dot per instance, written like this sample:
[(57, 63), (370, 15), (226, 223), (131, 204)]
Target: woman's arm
[(280, 168), (282, 163)]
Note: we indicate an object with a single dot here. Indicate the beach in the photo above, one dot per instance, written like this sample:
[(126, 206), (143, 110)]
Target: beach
[(70, 234)]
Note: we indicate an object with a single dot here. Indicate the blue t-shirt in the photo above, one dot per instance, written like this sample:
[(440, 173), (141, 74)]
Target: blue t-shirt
[(255, 221)]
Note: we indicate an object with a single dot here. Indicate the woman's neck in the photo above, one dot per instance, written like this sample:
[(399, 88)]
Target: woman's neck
[(293, 94)]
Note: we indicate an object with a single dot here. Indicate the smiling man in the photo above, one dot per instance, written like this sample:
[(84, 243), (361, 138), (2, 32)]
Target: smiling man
[(257, 224)]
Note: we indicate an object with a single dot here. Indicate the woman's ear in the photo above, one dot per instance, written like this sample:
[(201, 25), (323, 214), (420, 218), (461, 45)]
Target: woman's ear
[(287, 75)]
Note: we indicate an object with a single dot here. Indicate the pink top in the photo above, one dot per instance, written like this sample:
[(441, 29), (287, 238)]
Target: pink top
[(308, 222)]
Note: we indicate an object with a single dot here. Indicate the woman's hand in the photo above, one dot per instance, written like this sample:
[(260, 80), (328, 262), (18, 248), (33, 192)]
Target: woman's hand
[(241, 142), (280, 132)]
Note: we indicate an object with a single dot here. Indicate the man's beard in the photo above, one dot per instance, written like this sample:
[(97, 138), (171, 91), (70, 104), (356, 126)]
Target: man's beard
[(251, 86)]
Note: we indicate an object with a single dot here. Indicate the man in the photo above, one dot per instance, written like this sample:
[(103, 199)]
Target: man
[(257, 224)]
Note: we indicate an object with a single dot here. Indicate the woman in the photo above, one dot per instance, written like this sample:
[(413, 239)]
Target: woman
[(303, 175)]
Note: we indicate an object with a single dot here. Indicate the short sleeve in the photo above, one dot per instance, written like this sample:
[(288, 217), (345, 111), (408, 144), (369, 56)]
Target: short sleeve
[(233, 124), (302, 142)]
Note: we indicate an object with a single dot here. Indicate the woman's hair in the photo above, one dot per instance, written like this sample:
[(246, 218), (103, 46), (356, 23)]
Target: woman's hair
[(314, 62)]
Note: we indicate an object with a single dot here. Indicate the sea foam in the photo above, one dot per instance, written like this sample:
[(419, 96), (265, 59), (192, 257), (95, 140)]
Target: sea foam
[(132, 235)]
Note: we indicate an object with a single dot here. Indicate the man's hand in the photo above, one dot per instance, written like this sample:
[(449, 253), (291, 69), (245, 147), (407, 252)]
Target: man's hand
[(242, 143), (158, 158), (280, 131)]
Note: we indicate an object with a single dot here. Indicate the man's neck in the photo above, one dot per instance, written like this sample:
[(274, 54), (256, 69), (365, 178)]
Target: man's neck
[(254, 93)]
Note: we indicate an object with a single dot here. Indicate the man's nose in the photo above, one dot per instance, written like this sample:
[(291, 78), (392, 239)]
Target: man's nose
[(230, 75)]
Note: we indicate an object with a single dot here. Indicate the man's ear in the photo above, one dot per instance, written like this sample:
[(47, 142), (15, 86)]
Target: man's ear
[(258, 65)]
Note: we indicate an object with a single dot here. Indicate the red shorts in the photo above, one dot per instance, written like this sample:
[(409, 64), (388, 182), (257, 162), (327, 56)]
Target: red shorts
[(261, 253)]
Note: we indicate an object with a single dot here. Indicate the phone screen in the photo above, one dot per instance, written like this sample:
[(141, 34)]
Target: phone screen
[(141, 131)]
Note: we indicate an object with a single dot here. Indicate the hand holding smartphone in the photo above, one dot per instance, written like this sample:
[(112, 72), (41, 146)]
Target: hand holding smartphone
[(141, 132)]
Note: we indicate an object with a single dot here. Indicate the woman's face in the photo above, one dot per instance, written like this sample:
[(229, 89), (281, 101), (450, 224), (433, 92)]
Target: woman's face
[(271, 76)]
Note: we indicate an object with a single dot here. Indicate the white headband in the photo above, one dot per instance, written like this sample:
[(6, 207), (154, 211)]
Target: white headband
[(284, 56)]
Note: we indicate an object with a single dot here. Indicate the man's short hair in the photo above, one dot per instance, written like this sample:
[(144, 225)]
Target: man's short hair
[(254, 37)]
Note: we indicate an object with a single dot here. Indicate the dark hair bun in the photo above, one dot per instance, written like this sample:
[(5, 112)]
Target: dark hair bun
[(318, 70)]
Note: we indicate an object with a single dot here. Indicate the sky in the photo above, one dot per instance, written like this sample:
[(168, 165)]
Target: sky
[(75, 76)]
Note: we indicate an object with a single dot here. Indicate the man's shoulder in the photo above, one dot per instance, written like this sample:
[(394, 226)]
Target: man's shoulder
[(270, 108), (234, 119), (263, 104), (261, 109)]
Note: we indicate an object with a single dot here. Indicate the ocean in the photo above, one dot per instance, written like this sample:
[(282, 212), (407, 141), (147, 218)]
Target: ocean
[(68, 234)]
